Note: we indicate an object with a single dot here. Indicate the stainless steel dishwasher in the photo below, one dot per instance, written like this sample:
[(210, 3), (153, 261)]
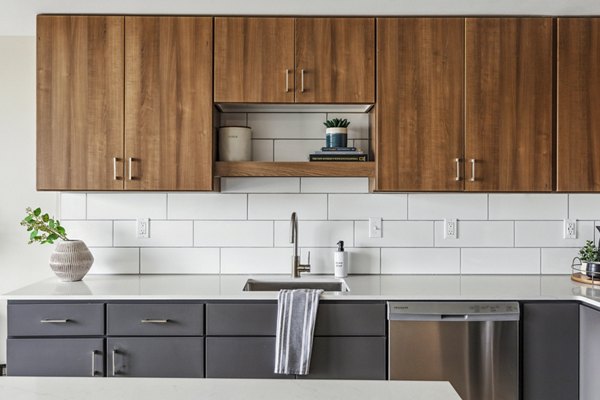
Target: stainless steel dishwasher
[(473, 345)]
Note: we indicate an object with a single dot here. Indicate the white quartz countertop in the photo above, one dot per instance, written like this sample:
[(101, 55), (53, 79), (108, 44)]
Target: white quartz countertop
[(362, 287), (26, 388)]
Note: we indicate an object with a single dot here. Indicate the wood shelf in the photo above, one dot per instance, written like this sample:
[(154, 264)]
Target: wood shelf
[(277, 169)]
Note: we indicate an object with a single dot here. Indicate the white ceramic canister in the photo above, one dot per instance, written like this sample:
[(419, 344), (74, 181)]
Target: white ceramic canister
[(235, 143)]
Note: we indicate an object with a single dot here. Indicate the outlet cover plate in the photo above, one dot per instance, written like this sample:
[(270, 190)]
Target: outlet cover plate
[(375, 227), (570, 229), (450, 228), (143, 228)]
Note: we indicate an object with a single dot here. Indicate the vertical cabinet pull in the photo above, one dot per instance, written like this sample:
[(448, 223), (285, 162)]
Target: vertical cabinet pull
[(114, 368), (457, 161), (302, 80), (116, 176), (287, 80), (93, 362), (472, 170), (130, 161)]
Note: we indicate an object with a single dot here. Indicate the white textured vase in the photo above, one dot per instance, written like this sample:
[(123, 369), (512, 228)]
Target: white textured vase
[(71, 260)]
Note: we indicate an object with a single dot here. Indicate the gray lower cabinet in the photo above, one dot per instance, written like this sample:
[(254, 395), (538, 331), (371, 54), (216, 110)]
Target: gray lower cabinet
[(55, 357), (589, 353), (551, 351), (168, 357)]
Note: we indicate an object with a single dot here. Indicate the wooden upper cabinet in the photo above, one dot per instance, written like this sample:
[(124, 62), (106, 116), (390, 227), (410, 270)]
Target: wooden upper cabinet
[(168, 103), (508, 116), (254, 60), (79, 103), (419, 112), (335, 60), (578, 104)]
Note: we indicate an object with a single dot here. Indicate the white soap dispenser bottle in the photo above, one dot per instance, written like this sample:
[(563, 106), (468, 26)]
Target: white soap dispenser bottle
[(340, 259)]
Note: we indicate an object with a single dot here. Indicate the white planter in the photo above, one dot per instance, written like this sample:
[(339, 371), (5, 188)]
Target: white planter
[(71, 260), (235, 143)]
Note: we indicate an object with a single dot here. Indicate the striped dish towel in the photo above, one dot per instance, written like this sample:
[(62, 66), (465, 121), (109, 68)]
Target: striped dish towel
[(296, 315)]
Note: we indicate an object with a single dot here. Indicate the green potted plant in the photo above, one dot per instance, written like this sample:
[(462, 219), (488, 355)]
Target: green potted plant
[(336, 132), (590, 260), (71, 259)]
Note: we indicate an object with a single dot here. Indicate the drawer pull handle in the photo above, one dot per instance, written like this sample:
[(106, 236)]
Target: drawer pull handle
[(54, 321), (155, 321), (93, 362), (114, 368)]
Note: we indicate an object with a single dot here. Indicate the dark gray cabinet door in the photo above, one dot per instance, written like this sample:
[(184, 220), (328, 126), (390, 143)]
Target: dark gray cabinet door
[(167, 357), (55, 357), (590, 353), (348, 358), (64, 319), (241, 357), (550, 351)]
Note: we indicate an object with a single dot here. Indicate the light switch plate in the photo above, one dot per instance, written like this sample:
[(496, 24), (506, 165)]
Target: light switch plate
[(143, 228), (450, 228), (375, 226), (570, 229)]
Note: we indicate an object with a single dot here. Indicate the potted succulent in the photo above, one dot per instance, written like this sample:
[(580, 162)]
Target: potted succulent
[(336, 132), (71, 259), (590, 260)]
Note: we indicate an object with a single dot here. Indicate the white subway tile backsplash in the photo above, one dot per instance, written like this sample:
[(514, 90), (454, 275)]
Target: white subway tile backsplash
[(334, 185), (287, 125), (162, 234), (213, 206), (500, 261), (395, 234), (126, 205), (233, 119), (113, 260), (359, 124), (179, 261), (584, 206), (528, 206), (260, 185), (420, 261), (477, 234), (233, 233), (365, 206), (93, 233), (558, 260), (296, 150), (550, 234), (72, 206), (360, 260), (423, 206), (274, 260), (262, 150), (281, 206), (316, 233)]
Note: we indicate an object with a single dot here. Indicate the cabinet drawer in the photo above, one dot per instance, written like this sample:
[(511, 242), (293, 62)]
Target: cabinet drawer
[(241, 357), (351, 319), (155, 319), (55, 319), (241, 319), (162, 357), (55, 357)]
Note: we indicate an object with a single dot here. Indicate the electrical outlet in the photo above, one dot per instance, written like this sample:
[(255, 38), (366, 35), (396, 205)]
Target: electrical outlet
[(570, 229), (450, 228), (375, 226), (143, 228)]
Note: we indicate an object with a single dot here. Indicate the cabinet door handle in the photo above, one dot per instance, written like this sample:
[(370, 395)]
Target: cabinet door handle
[(302, 80), (155, 321), (457, 161), (114, 368), (116, 176), (130, 162), (93, 362), (287, 80), (54, 321), (472, 170)]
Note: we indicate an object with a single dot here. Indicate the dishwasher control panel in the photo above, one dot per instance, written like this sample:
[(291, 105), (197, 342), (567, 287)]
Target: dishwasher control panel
[(461, 311)]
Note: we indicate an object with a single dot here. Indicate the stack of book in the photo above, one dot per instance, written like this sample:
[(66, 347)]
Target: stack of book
[(338, 154)]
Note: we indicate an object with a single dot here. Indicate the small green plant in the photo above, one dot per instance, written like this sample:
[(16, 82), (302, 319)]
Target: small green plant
[(589, 252), (336, 123), (42, 228)]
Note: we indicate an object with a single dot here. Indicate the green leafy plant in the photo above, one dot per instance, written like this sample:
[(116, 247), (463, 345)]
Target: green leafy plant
[(42, 228), (589, 252), (336, 123)]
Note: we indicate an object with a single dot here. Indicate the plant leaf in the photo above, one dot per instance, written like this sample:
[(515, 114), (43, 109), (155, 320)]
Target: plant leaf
[(37, 212)]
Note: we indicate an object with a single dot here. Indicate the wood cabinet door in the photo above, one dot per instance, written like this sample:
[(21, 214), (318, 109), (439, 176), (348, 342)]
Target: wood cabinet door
[(578, 103), (419, 112), (254, 60), (335, 60), (168, 103), (508, 116), (79, 102)]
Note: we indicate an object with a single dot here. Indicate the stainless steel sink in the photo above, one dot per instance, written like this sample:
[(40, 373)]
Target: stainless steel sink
[(254, 285)]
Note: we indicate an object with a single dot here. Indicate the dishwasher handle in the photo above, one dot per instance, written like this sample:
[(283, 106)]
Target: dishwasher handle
[(454, 317)]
